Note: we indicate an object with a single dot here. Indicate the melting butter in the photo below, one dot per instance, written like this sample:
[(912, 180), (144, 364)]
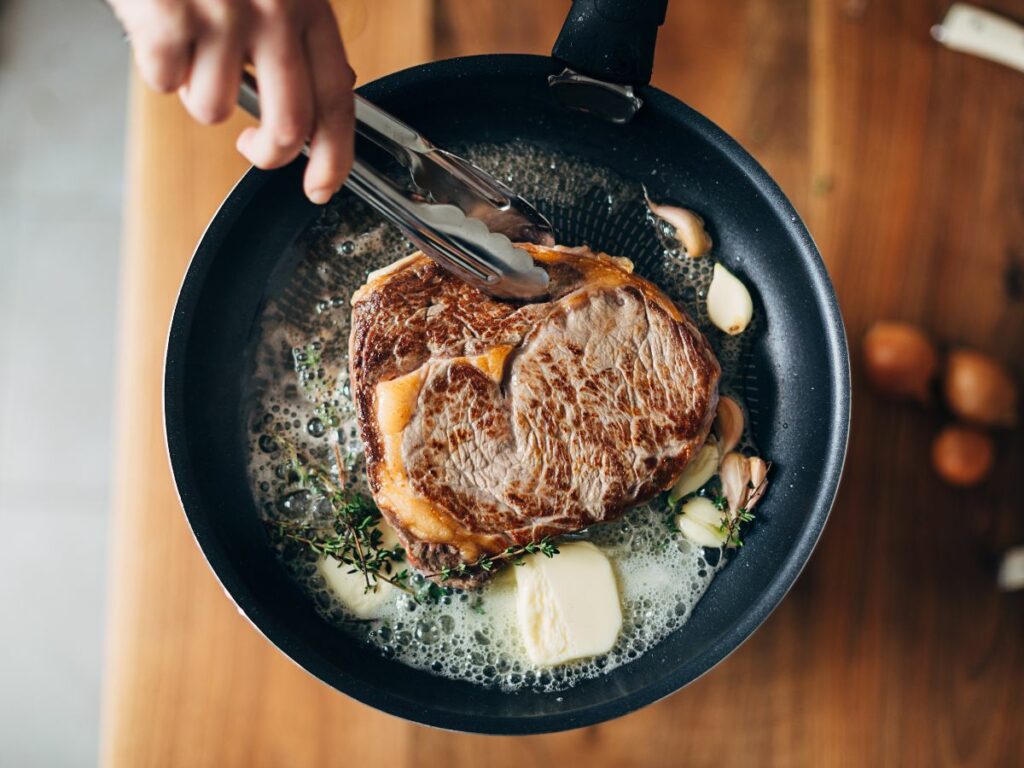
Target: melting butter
[(568, 606)]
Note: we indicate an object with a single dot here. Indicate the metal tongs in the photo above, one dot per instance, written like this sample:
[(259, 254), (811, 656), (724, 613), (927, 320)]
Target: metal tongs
[(460, 216)]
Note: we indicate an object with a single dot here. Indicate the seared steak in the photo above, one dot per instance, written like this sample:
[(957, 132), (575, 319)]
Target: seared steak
[(489, 423)]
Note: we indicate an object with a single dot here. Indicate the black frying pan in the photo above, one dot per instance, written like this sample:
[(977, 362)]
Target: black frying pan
[(797, 369)]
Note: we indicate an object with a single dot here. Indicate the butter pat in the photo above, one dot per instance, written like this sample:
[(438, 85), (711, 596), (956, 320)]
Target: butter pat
[(350, 588), (567, 605)]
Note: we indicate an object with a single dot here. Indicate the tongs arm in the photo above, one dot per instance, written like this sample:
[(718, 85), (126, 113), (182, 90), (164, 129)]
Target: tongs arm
[(463, 245)]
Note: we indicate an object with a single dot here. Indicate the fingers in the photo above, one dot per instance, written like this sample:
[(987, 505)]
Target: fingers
[(198, 47), (162, 38), (286, 98), (331, 146), (212, 88)]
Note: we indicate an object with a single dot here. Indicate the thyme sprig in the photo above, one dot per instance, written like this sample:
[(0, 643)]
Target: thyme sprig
[(353, 536), (731, 527), (731, 523), (350, 546), (488, 563)]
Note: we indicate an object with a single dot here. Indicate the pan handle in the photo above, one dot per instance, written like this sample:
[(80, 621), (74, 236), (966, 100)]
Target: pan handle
[(611, 40)]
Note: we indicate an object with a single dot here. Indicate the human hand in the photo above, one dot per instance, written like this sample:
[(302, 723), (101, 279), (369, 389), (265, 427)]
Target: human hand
[(198, 47)]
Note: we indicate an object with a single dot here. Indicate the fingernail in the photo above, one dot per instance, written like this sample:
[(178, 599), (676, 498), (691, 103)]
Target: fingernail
[(320, 196)]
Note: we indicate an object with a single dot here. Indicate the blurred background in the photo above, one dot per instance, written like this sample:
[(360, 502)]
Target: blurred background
[(63, 86), (905, 159)]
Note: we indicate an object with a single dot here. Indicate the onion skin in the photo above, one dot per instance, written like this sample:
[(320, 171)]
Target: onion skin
[(900, 361), (980, 390), (962, 456)]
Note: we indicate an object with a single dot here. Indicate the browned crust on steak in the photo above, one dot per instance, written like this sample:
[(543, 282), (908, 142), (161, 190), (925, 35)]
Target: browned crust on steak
[(522, 421)]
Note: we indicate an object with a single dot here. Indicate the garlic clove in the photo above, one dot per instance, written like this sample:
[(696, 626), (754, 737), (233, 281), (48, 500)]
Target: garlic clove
[(700, 521), (735, 476), (688, 227), (700, 534), (729, 304), (696, 474), (758, 481), (728, 424), (744, 481)]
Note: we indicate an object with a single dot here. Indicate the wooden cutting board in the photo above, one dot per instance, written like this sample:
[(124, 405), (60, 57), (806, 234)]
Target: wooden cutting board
[(907, 162)]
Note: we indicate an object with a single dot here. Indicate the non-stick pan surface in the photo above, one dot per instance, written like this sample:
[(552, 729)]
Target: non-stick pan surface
[(798, 367)]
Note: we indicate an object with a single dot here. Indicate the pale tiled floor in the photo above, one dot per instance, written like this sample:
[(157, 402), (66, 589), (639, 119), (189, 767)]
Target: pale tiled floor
[(63, 72)]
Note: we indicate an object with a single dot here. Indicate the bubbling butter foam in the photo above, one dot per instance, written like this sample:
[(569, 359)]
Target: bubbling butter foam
[(299, 389), (474, 635)]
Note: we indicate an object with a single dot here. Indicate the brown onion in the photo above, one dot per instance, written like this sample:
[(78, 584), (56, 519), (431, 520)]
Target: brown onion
[(900, 360), (980, 390), (962, 456)]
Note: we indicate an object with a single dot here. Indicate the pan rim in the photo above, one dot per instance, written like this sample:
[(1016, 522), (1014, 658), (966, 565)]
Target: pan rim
[(304, 655)]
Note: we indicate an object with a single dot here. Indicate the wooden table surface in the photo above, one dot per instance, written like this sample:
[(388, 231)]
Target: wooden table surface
[(907, 162)]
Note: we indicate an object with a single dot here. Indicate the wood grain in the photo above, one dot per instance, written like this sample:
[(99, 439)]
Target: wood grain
[(188, 680), (907, 162)]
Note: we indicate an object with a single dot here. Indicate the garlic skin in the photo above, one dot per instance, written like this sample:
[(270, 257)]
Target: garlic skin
[(700, 521), (744, 481), (696, 474), (758, 479), (729, 304), (728, 424), (735, 477)]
